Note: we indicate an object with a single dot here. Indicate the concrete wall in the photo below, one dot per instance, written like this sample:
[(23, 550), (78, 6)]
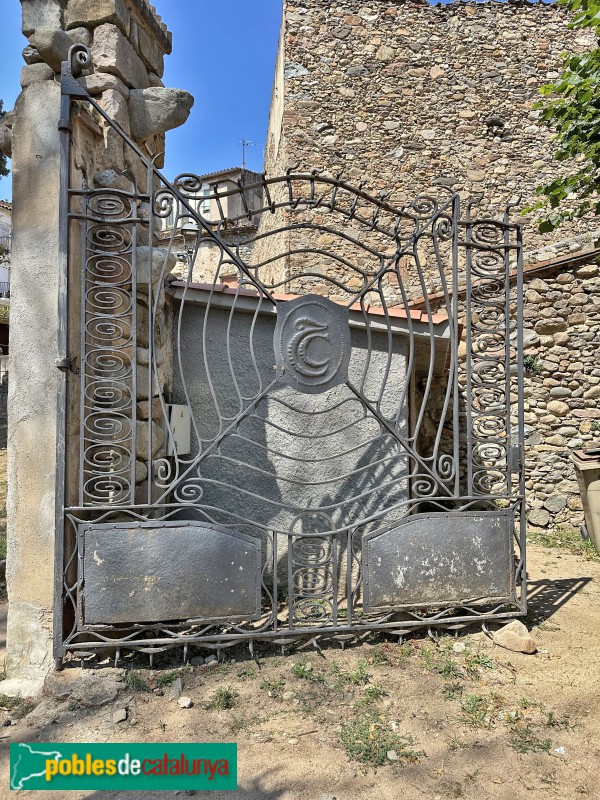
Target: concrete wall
[(279, 436)]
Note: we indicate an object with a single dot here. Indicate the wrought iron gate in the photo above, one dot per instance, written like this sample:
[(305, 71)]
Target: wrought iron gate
[(351, 373)]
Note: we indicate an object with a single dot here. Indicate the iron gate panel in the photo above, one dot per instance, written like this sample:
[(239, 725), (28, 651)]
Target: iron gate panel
[(347, 368), (166, 571), (430, 559)]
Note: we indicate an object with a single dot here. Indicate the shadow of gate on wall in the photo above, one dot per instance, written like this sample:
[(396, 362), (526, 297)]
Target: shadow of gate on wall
[(297, 451)]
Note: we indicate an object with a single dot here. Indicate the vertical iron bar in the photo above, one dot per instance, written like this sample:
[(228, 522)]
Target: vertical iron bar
[(507, 375), (275, 579), (334, 578), (290, 581), (521, 420), (64, 127), (349, 601), (133, 381), (454, 345), (83, 364), (150, 193), (468, 362)]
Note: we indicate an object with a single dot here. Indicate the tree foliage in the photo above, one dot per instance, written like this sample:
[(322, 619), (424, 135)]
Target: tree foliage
[(572, 109), (3, 167)]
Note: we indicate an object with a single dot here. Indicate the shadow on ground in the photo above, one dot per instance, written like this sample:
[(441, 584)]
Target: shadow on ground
[(546, 596)]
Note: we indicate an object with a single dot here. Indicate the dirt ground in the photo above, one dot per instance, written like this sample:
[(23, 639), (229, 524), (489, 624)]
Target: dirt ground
[(465, 718)]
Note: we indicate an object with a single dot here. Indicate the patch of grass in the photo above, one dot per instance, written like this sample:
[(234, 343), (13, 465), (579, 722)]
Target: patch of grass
[(474, 711), (440, 663), (455, 743), (476, 662), (273, 686), (552, 721), (166, 678), (532, 365), (358, 675), (247, 673), (396, 655), (563, 537), (306, 672), (452, 690), (524, 739), (135, 682), (374, 693), (223, 698), (368, 738), (17, 707)]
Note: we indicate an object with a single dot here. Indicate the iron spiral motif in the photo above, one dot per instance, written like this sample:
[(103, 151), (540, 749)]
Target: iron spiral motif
[(108, 391)]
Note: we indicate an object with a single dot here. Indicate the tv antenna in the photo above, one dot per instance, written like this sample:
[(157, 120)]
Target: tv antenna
[(246, 143)]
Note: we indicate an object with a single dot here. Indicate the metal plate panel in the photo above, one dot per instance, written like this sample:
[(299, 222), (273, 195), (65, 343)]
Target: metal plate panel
[(153, 572), (312, 344), (440, 559)]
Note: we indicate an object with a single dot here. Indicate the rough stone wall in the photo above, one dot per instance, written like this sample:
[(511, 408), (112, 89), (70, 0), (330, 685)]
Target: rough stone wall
[(404, 94), (128, 42), (562, 331)]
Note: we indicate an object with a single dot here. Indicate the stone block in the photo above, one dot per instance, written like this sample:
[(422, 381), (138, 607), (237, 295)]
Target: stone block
[(143, 357), (145, 408), (154, 79), (5, 138), (141, 471), (112, 52), (31, 55), (587, 271), (150, 52), (100, 82), (22, 687), (385, 53), (81, 35), (115, 105), (143, 438), (52, 45), (538, 517), (91, 14), (549, 326), (32, 73), (555, 503), (110, 179), (95, 690), (516, 637), (163, 261), (40, 14), (157, 110), (558, 408), (60, 685)]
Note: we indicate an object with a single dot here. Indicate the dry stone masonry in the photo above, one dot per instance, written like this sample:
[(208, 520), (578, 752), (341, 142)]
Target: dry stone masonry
[(405, 95)]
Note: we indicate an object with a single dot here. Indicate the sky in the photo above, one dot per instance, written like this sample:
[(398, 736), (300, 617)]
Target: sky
[(223, 54)]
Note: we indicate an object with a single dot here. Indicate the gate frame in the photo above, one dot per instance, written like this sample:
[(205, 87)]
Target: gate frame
[(79, 58)]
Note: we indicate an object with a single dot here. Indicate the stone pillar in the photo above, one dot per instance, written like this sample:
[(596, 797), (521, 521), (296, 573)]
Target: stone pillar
[(32, 398), (128, 41)]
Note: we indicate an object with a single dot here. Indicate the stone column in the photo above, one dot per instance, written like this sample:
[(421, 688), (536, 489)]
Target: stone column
[(128, 41)]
